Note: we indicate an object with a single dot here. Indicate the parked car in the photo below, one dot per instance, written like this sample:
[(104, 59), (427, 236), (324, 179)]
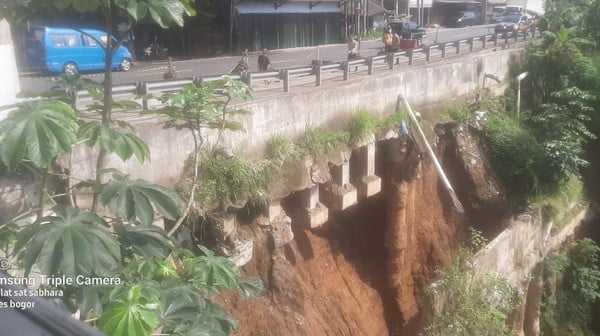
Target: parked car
[(463, 19), (511, 10), (408, 30), (512, 23), (497, 13), (59, 50)]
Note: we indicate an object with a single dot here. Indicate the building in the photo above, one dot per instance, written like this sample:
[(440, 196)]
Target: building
[(420, 11), (288, 23)]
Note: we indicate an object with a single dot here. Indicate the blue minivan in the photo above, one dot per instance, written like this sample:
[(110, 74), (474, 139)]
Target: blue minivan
[(59, 50)]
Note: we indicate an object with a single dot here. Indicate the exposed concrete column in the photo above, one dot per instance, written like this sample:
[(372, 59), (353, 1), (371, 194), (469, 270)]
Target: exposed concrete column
[(10, 83), (316, 214), (280, 225), (369, 183), (343, 194)]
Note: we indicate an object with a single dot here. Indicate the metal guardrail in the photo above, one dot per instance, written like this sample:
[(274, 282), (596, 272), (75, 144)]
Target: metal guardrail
[(286, 75)]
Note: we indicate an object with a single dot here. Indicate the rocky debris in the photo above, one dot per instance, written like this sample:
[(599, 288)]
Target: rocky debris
[(239, 251), (476, 164), (281, 230), (263, 221)]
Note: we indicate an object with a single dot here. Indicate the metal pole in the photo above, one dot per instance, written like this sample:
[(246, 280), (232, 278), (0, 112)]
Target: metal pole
[(518, 99), (346, 19), (431, 153)]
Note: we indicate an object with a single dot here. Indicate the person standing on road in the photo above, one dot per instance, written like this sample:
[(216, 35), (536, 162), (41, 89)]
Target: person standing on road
[(264, 63), (388, 39), (352, 47)]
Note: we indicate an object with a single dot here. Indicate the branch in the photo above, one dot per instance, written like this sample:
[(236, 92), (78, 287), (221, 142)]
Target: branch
[(116, 46), (194, 185)]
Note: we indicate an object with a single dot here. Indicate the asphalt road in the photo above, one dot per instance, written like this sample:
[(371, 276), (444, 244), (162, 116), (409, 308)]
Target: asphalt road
[(153, 71)]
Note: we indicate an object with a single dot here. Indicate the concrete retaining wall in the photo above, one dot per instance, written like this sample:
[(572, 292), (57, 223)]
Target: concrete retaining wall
[(331, 104), (514, 252)]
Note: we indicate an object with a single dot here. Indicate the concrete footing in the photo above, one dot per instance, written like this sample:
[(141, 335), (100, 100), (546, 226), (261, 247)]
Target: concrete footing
[(224, 226), (315, 213), (343, 194), (280, 225), (369, 184)]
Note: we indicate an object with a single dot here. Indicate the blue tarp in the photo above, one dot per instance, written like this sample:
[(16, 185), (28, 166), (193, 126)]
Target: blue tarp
[(251, 7)]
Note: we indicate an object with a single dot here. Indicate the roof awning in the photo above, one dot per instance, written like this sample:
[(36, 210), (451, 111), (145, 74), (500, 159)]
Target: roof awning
[(292, 7)]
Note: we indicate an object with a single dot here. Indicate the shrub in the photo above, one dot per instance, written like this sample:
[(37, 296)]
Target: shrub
[(568, 299), (392, 121), (469, 305), (318, 141), (560, 203), (362, 124), (460, 114), (225, 180), (514, 151)]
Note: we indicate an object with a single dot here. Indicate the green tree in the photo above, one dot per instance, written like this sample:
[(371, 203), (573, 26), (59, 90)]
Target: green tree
[(164, 13), (572, 287)]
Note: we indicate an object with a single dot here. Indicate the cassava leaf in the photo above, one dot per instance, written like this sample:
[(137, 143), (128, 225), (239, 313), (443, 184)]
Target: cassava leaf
[(71, 242), (137, 199)]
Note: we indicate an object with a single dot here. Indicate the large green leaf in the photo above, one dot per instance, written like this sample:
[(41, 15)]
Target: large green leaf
[(124, 144), (132, 315), (38, 131), (72, 242), (214, 321), (145, 241), (136, 200), (212, 272), (180, 304)]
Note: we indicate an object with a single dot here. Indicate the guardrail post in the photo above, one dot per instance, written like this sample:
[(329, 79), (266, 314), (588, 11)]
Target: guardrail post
[(410, 54), (247, 78), (525, 34), (317, 71), (516, 33), (457, 45), (495, 39), (533, 32), (142, 90), (483, 41), (471, 43), (75, 96), (427, 53), (505, 39), (286, 80), (370, 65), (346, 69), (390, 60), (443, 49)]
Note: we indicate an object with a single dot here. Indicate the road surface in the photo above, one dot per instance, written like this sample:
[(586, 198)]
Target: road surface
[(153, 71)]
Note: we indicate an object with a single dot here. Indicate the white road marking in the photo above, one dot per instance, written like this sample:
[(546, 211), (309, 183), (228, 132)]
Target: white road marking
[(159, 73)]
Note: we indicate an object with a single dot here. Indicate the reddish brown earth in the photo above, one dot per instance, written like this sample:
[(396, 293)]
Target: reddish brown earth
[(365, 272)]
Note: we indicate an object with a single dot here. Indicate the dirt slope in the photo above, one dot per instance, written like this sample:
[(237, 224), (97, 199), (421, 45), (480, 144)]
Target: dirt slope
[(365, 271)]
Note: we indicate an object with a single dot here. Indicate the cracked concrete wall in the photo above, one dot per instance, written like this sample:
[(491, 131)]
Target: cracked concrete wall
[(330, 105)]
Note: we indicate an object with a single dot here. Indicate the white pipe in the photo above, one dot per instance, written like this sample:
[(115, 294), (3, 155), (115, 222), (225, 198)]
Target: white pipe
[(436, 163)]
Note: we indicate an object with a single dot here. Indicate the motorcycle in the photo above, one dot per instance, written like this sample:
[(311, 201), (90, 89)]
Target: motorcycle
[(241, 66), (155, 51)]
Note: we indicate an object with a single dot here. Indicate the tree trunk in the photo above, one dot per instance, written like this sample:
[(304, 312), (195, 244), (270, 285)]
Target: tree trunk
[(107, 109)]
